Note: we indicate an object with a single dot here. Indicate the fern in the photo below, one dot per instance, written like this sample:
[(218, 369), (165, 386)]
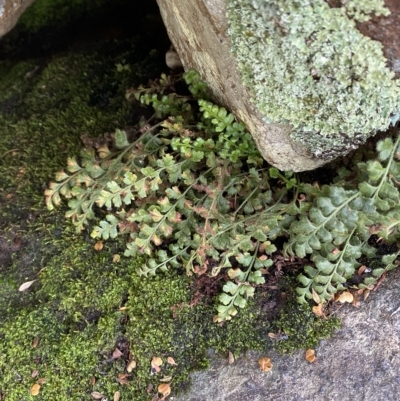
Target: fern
[(188, 188), (340, 221), (179, 195)]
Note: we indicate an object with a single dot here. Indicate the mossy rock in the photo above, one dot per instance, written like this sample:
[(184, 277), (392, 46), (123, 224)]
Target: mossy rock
[(309, 80), (86, 303)]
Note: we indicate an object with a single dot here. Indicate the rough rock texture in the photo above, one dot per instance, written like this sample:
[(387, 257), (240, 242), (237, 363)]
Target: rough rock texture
[(360, 363), (386, 29), (330, 82), (10, 11), (198, 30)]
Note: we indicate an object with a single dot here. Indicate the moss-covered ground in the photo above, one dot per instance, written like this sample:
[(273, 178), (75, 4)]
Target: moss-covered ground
[(63, 331)]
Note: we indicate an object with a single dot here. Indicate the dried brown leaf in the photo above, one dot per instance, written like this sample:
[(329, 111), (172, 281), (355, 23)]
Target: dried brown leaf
[(131, 366), (149, 388), (98, 246), (164, 389), (171, 360), (166, 379), (35, 342), (265, 364), (35, 389), (92, 381), (41, 381), (117, 396), (361, 270), (318, 310), (116, 353), (26, 285), (310, 355), (315, 296), (34, 373), (366, 294), (97, 396), (231, 358), (272, 335), (156, 362), (122, 380), (356, 301), (346, 296)]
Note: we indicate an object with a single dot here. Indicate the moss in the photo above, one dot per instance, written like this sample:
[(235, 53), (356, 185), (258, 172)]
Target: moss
[(300, 327), (307, 65), (43, 13)]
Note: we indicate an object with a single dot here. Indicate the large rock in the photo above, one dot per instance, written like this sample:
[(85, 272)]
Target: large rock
[(309, 82), (360, 363), (10, 11)]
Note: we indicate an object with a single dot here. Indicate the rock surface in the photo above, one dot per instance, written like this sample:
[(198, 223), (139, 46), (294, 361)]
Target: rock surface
[(328, 91), (10, 11), (360, 363), (198, 31)]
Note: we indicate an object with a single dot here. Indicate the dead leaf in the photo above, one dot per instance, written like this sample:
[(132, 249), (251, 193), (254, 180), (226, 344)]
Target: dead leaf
[(215, 319), (122, 380), (315, 296), (116, 258), (98, 246), (97, 396), (92, 381), (345, 296), (166, 379), (26, 285), (149, 388), (171, 361), (41, 381), (366, 294), (116, 353), (356, 301), (272, 335), (35, 389), (231, 358), (34, 373), (361, 270), (265, 364), (35, 342), (310, 355), (164, 389), (131, 366), (117, 396), (318, 310), (156, 362)]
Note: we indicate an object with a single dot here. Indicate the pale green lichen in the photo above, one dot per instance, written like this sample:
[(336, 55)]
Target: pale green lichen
[(307, 64), (361, 10)]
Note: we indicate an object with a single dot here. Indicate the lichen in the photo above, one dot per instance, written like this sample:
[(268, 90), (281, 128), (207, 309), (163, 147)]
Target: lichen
[(307, 65)]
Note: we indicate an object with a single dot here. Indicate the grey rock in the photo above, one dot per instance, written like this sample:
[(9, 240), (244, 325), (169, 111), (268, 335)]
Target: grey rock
[(198, 31), (361, 362), (10, 11)]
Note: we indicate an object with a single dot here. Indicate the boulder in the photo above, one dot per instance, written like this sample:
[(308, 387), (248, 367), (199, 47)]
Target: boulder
[(311, 82), (10, 11)]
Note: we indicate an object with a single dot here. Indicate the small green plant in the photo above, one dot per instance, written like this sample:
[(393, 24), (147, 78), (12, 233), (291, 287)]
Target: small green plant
[(188, 188)]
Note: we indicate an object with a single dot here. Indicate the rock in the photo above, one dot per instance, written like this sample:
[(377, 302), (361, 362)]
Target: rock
[(309, 82), (360, 362), (10, 11)]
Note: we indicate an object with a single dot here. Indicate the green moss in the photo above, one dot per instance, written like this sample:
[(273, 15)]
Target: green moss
[(85, 305), (43, 13), (300, 327), (306, 64)]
